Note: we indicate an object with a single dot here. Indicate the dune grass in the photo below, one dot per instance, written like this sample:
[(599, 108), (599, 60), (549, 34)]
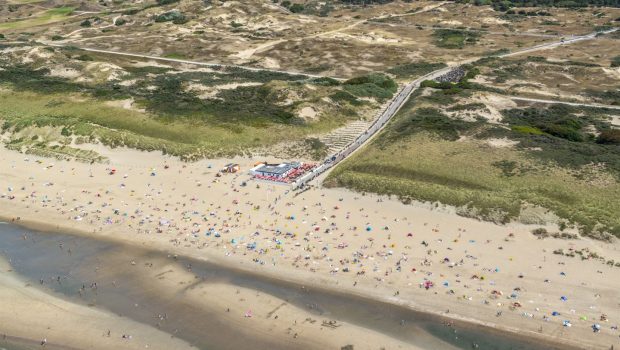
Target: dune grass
[(454, 39), (556, 164), (472, 175), (117, 126), (252, 110)]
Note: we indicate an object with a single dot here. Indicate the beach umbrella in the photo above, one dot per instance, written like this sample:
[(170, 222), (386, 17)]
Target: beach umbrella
[(368, 228), (555, 313), (566, 323), (563, 298)]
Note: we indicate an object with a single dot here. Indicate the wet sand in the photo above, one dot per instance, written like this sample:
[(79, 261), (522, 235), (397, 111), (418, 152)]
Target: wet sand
[(31, 317)]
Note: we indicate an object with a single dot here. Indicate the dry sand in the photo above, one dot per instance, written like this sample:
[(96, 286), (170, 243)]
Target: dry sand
[(366, 245)]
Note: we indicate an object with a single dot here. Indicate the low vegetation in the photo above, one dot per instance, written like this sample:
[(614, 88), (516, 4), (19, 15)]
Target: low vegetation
[(174, 16), (504, 5), (415, 69), (377, 86), (46, 17), (454, 39), (192, 114)]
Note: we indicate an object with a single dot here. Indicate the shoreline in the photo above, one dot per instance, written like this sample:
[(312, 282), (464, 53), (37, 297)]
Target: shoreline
[(463, 320), (44, 319)]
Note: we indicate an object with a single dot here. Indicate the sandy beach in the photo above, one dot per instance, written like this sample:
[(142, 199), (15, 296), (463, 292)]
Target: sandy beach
[(416, 255)]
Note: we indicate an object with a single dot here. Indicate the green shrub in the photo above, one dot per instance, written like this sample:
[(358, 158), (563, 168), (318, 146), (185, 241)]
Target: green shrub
[(84, 57), (175, 16), (375, 85), (454, 39), (343, 96), (296, 8), (131, 12), (429, 120), (560, 133), (526, 129), (325, 81), (609, 137), (65, 131)]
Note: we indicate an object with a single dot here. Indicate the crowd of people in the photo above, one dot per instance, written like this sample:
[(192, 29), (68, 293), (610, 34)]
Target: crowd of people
[(343, 236)]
